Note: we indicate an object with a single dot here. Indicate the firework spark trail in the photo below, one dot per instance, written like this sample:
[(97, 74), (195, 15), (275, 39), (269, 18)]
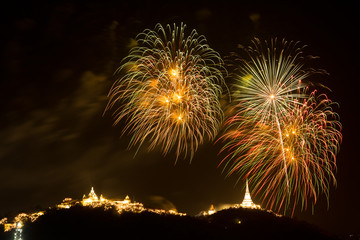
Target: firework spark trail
[(282, 149), (170, 89), (281, 138)]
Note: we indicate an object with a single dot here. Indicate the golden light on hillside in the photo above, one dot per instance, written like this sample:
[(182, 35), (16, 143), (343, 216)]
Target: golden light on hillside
[(91, 200)]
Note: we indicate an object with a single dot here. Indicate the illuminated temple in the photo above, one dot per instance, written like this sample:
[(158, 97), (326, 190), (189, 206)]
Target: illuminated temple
[(247, 202), (91, 200)]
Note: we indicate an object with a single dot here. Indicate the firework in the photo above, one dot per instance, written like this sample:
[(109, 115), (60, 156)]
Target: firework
[(281, 138), (169, 90)]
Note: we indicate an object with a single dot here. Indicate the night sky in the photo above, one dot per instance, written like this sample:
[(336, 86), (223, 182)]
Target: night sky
[(58, 61)]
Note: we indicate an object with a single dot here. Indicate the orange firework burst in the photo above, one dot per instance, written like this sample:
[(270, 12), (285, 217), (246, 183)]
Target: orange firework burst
[(169, 90)]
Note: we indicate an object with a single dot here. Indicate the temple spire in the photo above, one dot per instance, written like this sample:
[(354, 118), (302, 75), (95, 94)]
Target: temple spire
[(92, 194), (247, 202)]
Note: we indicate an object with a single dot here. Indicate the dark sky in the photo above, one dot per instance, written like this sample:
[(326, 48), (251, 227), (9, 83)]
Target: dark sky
[(58, 61)]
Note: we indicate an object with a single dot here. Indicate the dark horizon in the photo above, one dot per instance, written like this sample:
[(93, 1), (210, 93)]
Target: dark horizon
[(59, 59)]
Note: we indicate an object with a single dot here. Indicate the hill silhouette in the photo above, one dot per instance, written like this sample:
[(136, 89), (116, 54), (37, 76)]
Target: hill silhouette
[(96, 223)]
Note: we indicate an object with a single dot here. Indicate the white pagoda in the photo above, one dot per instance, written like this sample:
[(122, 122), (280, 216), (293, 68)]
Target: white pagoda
[(247, 202)]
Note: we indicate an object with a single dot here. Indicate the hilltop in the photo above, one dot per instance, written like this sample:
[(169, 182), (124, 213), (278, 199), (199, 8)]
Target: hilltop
[(81, 222)]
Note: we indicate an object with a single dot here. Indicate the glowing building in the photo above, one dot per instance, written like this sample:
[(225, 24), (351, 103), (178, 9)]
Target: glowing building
[(92, 200), (207, 212), (67, 203), (247, 202), (211, 210)]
